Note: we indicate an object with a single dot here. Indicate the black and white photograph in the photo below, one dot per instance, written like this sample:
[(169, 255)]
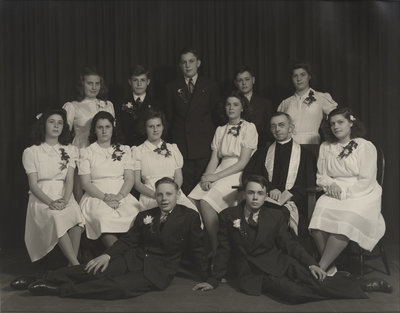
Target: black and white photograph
[(177, 156)]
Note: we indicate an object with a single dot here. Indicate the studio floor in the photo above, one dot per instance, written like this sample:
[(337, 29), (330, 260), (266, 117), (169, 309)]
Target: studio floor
[(179, 297)]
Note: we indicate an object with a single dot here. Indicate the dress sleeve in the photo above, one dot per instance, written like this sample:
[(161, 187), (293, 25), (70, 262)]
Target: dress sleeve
[(85, 157), (217, 138), (367, 159), (323, 179), (73, 155), (177, 156), (328, 104), (250, 137), (282, 106), (110, 107), (70, 109), (136, 154), (28, 160), (127, 158)]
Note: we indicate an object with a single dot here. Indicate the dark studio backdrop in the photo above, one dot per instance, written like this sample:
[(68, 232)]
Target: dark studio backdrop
[(353, 47)]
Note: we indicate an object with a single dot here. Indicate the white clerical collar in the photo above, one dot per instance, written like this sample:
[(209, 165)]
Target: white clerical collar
[(283, 142), (194, 79), (135, 97)]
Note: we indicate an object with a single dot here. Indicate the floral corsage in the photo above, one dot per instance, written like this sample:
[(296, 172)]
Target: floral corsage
[(235, 130), (100, 104), (163, 150), (148, 220), (64, 159), (118, 153), (348, 149), (129, 108), (310, 99), (237, 223)]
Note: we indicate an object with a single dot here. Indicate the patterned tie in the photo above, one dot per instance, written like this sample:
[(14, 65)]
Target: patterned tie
[(252, 223), (163, 219), (191, 86)]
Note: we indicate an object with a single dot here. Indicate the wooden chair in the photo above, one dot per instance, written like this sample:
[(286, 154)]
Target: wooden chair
[(353, 249)]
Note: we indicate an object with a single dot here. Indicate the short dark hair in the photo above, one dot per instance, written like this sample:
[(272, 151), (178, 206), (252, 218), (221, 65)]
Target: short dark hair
[(280, 113), (166, 180), (150, 114), (255, 179), (102, 115), (86, 71), (243, 100), (189, 50), (38, 134), (357, 130), (243, 68), (137, 70), (304, 66)]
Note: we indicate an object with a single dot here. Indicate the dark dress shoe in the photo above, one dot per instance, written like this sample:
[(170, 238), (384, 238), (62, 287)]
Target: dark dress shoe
[(22, 282), (377, 284), (44, 288)]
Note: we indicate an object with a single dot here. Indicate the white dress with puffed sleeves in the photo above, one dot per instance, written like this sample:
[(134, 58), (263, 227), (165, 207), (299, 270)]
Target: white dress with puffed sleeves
[(357, 215), (228, 142), (80, 115), (307, 113), (106, 167), (43, 226)]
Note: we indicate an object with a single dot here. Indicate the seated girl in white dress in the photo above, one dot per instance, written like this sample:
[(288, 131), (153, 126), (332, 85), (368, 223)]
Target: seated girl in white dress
[(155, 159), (106, 172), (232, 146), (350, 208), (90, 99), (53, 216), (307, 107)]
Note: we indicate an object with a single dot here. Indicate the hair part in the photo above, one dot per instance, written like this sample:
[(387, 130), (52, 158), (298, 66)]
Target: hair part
[(255, 179), (357, 130), (80, 88), (103, 115), (166, 180), (279, 113), (38, 134)]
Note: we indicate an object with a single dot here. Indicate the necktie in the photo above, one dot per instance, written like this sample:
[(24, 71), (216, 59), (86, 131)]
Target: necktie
[(252, 223), (163, 219), (138, 100), (191, 86)]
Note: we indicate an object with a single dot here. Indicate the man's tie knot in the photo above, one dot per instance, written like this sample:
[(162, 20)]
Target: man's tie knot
[(252, 223), (191, 85)]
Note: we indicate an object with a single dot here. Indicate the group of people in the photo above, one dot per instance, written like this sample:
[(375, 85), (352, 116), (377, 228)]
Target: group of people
[(245, 171)]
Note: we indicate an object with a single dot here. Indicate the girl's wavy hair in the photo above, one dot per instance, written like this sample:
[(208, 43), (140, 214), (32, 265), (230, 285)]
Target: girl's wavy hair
[(103, 115), (243, 100), (150, 114), (80, 88), (357, 130), (38, 135)]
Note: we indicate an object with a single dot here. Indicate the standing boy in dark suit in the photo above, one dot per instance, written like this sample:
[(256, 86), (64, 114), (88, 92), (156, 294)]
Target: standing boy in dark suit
[(260, 109), (191, 111), (144, 259), (268, 260), (136, 105)]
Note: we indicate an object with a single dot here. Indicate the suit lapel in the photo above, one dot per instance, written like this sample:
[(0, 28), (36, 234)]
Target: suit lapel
[(263, 227), (172, 220)]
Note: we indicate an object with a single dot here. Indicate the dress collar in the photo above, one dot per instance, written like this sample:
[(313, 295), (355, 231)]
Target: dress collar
[(47, 148), (305, 95)]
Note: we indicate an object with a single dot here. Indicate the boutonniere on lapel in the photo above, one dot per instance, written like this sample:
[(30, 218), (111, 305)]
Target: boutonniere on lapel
[(237, 223), (348, 149), (184, 95), (163, 150), (129, 108), (310, 99), (148, 221), (64, 159), (117, 153), (235, 130)]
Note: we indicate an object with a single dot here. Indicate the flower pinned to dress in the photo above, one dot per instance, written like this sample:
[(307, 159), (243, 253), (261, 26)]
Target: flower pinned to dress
[(236, 223), (163, 150), (235, 130), (64, 159), (348, 149), (352, 118), (148, 220), (130, 108), (310, 99), (39, 116), (117, 153)]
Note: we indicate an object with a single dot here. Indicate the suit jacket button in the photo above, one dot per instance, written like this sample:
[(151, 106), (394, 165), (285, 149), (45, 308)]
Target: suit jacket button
[(146, 255)]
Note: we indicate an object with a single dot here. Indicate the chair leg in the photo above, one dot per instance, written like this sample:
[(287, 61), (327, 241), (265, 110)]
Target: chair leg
[(384, 259)]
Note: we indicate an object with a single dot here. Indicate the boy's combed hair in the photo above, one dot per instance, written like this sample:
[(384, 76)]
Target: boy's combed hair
[(166, 180)]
